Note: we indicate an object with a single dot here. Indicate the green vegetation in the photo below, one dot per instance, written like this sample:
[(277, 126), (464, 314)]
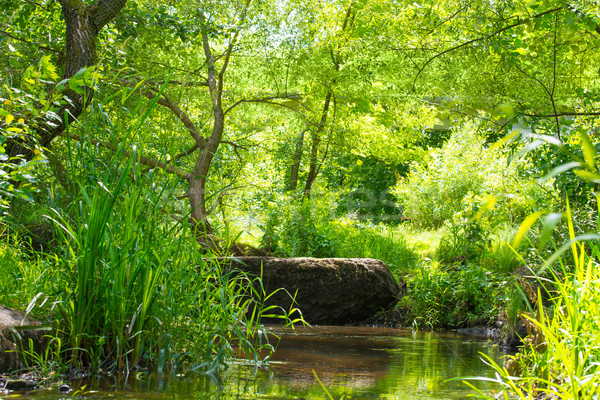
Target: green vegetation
[(141, 139)]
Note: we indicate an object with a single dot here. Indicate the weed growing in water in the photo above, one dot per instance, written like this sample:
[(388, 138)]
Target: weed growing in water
[(135, 290)]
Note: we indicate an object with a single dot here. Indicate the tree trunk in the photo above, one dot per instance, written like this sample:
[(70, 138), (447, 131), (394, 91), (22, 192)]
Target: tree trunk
[(314, 153), (83, 23), (296, 161), (336, 59), (197, 188)]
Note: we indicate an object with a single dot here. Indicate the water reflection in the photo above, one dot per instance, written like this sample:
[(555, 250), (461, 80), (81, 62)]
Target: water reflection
[(363, 363), (353, 362)]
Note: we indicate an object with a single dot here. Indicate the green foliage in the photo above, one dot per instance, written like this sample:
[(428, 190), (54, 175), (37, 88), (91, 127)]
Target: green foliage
[(458, 296), (561, 355), (312, 229), (133, 289), (462, 177), (365, 183), (23, 276), (19, 108), (463, 242)]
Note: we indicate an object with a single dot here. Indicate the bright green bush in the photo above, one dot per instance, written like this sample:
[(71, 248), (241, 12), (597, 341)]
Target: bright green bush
[(311, 229), (459, 296), (460, 178), (463, 241)]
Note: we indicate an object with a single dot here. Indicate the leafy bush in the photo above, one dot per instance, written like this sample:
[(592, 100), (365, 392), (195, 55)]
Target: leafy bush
[(461, 177), (442, 297), (293, 229), (311, 229), (464, 241)]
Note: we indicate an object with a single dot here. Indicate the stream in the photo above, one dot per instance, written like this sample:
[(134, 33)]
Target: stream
[(351, 362)]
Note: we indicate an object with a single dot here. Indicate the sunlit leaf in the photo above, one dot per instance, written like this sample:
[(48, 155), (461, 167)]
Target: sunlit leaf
[(559, 170), (589, 150), (588, 175), (524, 228), (548, 225)]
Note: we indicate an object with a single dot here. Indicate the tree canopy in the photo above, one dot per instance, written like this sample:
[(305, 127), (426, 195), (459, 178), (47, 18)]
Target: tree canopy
[(232, 94)]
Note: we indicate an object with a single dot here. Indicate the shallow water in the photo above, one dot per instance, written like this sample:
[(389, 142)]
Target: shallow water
[(353, 362)]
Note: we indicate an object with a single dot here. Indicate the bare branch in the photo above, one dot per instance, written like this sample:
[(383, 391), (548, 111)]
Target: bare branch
[(267, 100), (164, 101), (186, 152), (480, 39), (2, 32), (548, 92), (564, 114)]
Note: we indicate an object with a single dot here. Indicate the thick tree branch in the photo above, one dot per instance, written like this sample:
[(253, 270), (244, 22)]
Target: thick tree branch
[(164, 101), (142, 160), (83, 23), (103, 11)]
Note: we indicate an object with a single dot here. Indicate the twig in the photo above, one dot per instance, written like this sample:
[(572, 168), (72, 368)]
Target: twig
[(479, 39)]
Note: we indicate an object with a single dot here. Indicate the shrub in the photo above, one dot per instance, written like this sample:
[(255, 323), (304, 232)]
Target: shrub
[(460, 178), (450, 297), (463, 242), (311, 229)]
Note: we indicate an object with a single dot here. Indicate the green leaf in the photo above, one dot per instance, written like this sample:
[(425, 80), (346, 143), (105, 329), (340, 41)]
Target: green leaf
[(589, 151), (524, 228), (588, 175), (559, 170), (548, 225)]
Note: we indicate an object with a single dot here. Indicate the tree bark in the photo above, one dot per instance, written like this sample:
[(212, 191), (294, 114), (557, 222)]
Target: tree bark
[(83, 23), (314, 153), (336, 60), (197, 188), (296, 161)]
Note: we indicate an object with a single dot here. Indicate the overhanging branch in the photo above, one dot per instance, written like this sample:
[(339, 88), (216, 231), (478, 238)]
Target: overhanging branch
[(142, 160), (482, 38)]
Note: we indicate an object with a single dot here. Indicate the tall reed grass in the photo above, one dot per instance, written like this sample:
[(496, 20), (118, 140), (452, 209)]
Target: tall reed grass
[(560, 358), (135, 288)]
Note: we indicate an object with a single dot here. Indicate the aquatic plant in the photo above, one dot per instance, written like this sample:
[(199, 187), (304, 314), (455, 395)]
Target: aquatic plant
[(560, 357), (135, 288)]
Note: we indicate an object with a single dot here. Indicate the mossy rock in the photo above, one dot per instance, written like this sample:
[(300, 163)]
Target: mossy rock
[(17, 330)]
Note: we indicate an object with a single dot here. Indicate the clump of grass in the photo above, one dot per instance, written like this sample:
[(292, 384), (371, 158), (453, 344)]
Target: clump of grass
[(23, 274), (453, 297), (364, 240), (134, 289), (560, 358)]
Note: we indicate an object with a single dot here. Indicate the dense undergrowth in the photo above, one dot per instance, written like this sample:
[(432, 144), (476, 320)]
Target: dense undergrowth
[(122, 286)]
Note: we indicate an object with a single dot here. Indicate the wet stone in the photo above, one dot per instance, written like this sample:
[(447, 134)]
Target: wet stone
[(20, 384)]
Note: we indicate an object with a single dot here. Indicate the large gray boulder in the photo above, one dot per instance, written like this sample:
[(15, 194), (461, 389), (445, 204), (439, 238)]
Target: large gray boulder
[(327, 290)]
